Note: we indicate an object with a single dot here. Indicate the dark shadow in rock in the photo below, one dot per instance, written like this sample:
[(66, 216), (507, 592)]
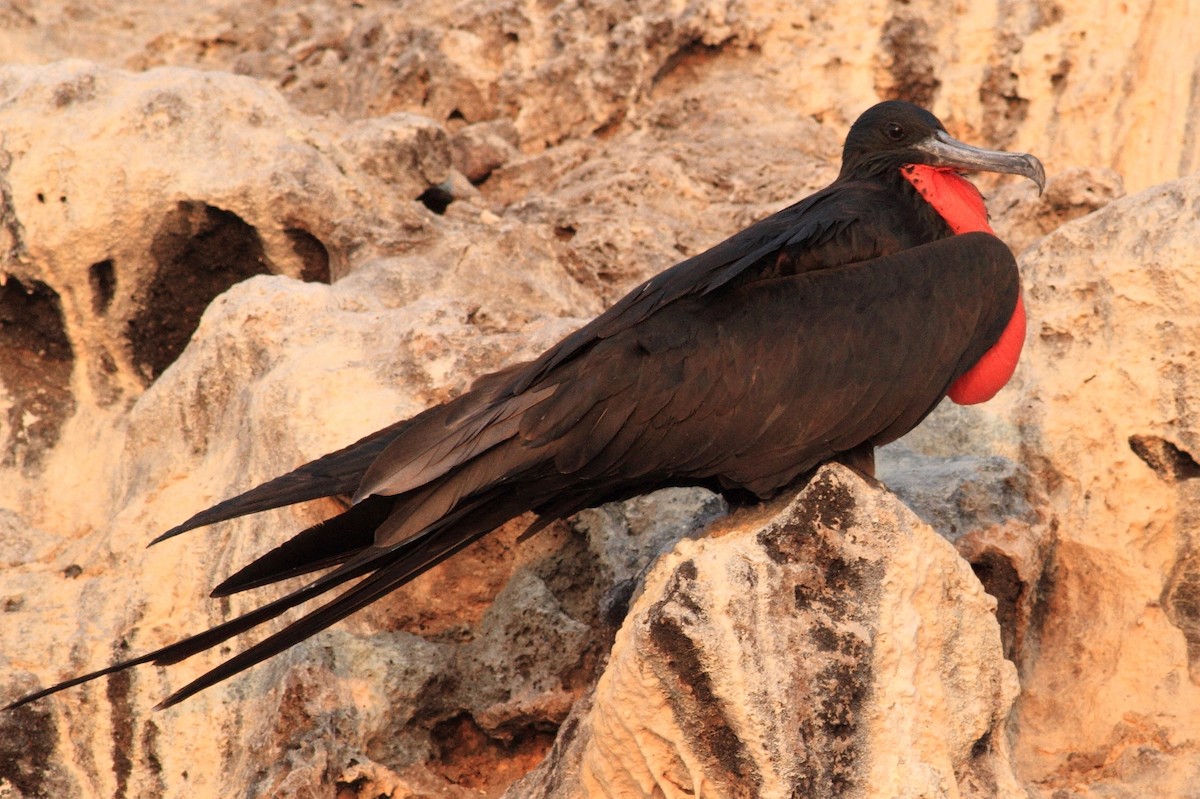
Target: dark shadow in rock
[(199, 252), (313, 256), (436, 199), (36, 360), (1168, 461), (102, 277), (28, 739)]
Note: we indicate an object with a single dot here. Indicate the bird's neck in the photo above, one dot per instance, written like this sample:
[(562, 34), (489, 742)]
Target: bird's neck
[(953, 197)]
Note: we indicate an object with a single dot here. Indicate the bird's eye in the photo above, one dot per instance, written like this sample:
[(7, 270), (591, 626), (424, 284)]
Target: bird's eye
[(893, 131)]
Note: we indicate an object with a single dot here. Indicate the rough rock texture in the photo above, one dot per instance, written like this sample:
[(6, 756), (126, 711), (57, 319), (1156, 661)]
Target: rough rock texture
[(1104, 418), (1080, 83), (840, 596), (241, 234)]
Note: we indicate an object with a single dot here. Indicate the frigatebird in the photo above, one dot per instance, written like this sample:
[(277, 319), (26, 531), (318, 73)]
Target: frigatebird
[(821, 332)]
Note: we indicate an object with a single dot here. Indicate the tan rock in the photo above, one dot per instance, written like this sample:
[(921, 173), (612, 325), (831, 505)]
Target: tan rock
[(1082, 84), (1102, 413), (132, 200), (648, 131), (834, 646)]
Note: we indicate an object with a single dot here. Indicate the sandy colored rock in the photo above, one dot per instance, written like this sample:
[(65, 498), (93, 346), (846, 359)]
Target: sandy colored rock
[(1082, 85), (1102, 415), (645, 132), (840, 596), (1113, 364), (135, 199)]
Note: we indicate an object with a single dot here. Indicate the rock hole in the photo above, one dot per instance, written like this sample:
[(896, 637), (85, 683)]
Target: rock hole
[(36, 361), (471, 758), (199, 251), (1166, 459), (312, 253), (102, 277), (1000, 579), (694, 51), (436, 199), (350, 790)]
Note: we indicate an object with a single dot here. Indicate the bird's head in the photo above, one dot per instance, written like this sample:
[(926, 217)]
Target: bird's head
[(895, 134)]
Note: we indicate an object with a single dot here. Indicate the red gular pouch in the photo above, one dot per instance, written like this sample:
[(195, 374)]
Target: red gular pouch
[(958, 202)]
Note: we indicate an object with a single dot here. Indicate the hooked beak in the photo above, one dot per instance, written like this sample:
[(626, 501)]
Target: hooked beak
[(944, 150)]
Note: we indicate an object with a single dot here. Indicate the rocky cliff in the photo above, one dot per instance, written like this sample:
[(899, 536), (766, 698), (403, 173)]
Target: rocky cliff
[(238, 235)]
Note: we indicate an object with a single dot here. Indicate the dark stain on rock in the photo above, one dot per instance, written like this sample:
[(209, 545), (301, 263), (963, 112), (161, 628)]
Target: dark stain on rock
[(1005, 108), (199, 252), (117, 691), (1181, 601), (36, 361), (825, 639), (150, 756), (1169, 461), (827, 504), (27, 742), (910, 47), (697, 708), (835, 591), (80, 89)]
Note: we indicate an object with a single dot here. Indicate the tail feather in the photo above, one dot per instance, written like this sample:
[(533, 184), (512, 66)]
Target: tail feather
[(392, 567), (468, 488), (336, 473), (428, 553), (329, 543), (185, 648)]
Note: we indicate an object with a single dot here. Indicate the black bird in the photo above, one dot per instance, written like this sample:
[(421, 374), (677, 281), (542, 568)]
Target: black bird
[(819, 333)]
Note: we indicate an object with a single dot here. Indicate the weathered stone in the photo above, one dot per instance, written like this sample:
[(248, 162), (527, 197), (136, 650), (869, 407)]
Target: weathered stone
[(840, 596), (479, 149), (648, 131)]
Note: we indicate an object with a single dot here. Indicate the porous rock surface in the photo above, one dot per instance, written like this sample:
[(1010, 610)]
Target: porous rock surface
[(805, 649), (1102, 418), (237, 235)]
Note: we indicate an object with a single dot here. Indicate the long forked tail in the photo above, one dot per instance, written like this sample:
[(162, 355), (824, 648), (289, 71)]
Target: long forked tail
[(341, 472), (386, 570), (384, 540), (336, 473)]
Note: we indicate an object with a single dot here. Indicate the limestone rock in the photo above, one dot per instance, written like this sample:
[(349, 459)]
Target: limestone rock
[(1082, 85), (286, 137), (1110, 375), (1102, 415), (832, 646), (109, 267), (480, 149)]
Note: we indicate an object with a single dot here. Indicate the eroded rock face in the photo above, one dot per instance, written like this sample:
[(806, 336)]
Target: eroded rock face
[(831, 645), (1102, 418), (475, 182), (156, 193)]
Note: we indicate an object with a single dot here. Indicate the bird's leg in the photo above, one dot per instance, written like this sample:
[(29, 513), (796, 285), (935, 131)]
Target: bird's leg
[(861, 459)]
